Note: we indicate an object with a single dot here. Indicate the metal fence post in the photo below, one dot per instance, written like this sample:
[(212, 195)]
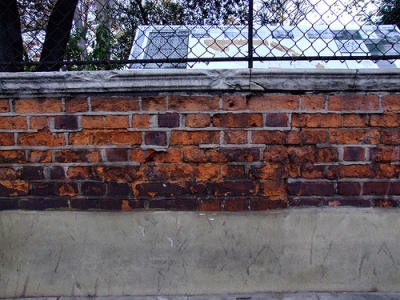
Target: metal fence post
[(250, 36)]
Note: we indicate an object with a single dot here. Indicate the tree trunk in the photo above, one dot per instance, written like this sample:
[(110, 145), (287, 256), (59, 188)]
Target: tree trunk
[(11, 49), (57, 35)]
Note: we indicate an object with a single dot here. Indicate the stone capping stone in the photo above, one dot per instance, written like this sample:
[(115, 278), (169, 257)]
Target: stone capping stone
[(65, 84)]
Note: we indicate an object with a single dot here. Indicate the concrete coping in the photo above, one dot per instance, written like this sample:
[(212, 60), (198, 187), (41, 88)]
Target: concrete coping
[(68, 84)]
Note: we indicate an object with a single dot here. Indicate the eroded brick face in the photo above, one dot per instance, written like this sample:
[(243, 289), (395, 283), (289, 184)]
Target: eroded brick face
[(205, 152)]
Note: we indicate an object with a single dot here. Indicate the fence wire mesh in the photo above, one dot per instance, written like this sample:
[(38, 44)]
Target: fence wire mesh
[(117, 34)]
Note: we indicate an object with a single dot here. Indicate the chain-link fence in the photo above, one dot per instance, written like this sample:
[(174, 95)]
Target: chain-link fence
[(117, 34)]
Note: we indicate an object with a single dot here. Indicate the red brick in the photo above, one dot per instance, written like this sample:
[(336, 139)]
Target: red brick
[(317, 120), (354, 136), (272, 188), (355, 120), (6, 139), (80, 138), (210, 205), (385, 154), (268, 171), (44, 189), (193, 103), (13, 188), (12, 156), (140, 121), (194, 137), (275, 154), (170, 120), (351, 171), (8, 174), (326, 155), (4, 106), (41, 139), (276, 120), (349, 202), (266, 204), (170, 156), (274, 102), (67, 189), (376, 188), (311, 188), (353, 154), (154, 103), (312, 102), (195, 172), (118, 189), (232, 172), (274, 137), (233, 102), (114, 137), (76, 105), (117, 154), (390, 136), (31, 173), (313, 136), (157, 189), (234, 154), (198, 120), (156, 138), (235, 137), (79, 155), (235, 188), (349, 188), (117, 104), (385, 203), (78, 172), (194, 154), (57, 173), (391, 102), (239, 204), (118, 122), (301, 154), (231, 120), (40, 105), (353, 102), (154, 172), (93, 122), (385, 120), (40, 122), (93, 188), (66, 122), (116, 173), (18, 123), (310, 171), (387, 171)]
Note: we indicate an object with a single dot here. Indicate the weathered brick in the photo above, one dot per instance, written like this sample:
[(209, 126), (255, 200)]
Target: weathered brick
[(57, 173), (66, 122), (194, 137), (307, 201), (210, 205), (153, 172), (310, 171), (40, 203), (195, 172), (355, 120), (8, 173), (83, 204), (268, 171), (40, 156), (9, 123), (4, 106), (116, 104), (117, 154), (231, 102), (274, 137), (266, 204), (173, 204), (115, 173), (168, 120), (194, 154), (353, 154), (141, 121), (154, 103), (313, 102), (353, 102), (93, 122), (273, 102), (326, 154), (43, 189), (156, 138), (7, 139), (349, 188), (272, 188), (76, 105), (236, 204), (118, 189), (235, 137), (385, 120), (385, 203), (276, 154), (376, 188), (40, 122), (351, 171), (301, 154), (31, 173), (390, 136), (9, 204), (93, 188), (312, 188), (391, 102), (276, 120), (170, 156), (231, 120), (313, 136), (357, 202), (235, 188), (233, 172), (40, 105), (157, 189), (354, 136), (79, 155), (41, 139), (117, 122), (116, 137), (198, 120), (387, 171), (78, 173), (317, 120), (385, 154), (13, 188), (12, 156), (193, 103), (234, 154), (67, 189)]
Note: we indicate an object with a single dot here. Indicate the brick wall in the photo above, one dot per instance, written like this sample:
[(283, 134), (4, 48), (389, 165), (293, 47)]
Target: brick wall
[(221, 151)]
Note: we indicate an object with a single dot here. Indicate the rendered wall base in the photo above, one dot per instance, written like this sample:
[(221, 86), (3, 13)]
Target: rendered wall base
[(184, 253)]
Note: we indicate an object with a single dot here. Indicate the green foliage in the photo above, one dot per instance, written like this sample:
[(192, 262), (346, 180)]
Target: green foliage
[(390, 12)]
